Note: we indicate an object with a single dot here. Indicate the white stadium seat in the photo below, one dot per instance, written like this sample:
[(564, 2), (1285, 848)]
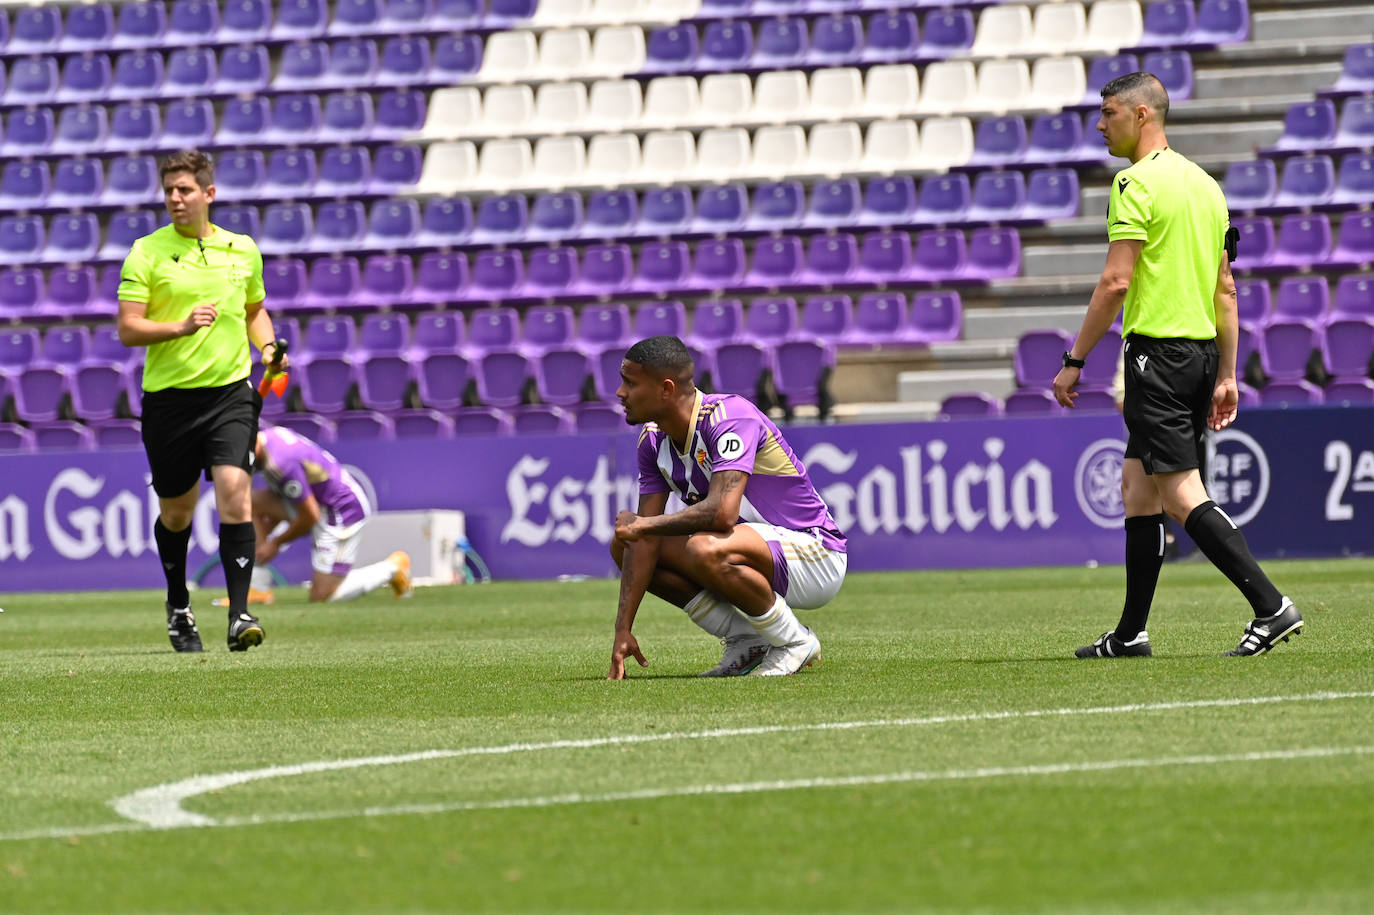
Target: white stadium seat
[(780, 96), (836, 92), (614, 104), (1057, 82), (778, 151), (505, 164), (1002, 31), (508, 57), (723, 153), (554, 14), (564, 53), (448, 167), (616, 51), (1003, 85), (891, 146), (452, 113), (612, 159), (670, 101), (507, 110), (560, 107), (669, 156), (1058, 28), (618, 12), (1113, 25), (559, 161), (726, 98), (833, 149), (948, 86), (891, 89), (945, 143)]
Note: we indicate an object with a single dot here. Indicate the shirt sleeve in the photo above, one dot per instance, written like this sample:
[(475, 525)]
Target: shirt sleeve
[(1128, 209), (134, 276), (256, 290), (294, 485), (650, 477), (733, 442)]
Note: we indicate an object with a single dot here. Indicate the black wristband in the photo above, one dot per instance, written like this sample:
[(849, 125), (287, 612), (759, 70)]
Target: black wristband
[(1072, 363)]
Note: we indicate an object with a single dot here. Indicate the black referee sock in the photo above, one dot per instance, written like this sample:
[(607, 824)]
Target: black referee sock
[(1223, 543), (1144, 557), (237, 546), (171, 550)]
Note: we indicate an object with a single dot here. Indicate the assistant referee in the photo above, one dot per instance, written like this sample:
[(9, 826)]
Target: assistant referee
[(192, 293), (1168, 264)]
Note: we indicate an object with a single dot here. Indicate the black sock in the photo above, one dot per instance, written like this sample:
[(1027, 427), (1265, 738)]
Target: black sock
[(1223, 543), (171, 550), (237, 545), (1144, 556)]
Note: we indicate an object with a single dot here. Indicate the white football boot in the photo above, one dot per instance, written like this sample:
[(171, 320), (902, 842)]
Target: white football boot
[(742, 654), (782, 660)]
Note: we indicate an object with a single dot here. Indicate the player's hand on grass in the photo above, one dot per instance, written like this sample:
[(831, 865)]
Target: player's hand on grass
[(624, 646), (1225, 399), (200, 316), (1064, 384), (625, 527)]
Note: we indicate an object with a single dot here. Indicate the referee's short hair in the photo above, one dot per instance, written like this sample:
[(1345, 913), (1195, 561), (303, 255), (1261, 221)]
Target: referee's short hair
[(189, 160), (1138, 88), (664, 356)]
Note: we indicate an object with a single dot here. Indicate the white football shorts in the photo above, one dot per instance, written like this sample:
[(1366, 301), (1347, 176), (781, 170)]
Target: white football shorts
[(811, 574)]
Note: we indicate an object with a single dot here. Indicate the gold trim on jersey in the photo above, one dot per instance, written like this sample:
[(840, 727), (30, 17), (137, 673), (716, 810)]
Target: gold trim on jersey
[(686, 450), (771, 460)]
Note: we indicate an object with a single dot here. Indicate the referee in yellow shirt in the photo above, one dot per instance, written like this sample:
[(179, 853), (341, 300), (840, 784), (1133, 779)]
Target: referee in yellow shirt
[(193, 294), (1168, 264)]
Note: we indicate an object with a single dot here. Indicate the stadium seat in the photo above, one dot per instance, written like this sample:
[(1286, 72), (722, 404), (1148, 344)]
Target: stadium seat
[(421, 424), (387, 281), (392, 224), (72, 238), (1175, 72), (1347, 347), (777, 205), (934, 317), (1102, 70), (1052, 193), (1257, 242), (85, 78), (1302, 297), (828, 317), (970, 405), (1250, 185), (1355, 243), (188, 124), (1355, 182), (1356, 392), (1306, 181), (1291, 393), (482, 421), (243, 120), (1252, 300), (140, 24), (28, 132), (1303, 240), (24, 184), (1308, 125), (1354, 296), (21, 239), (32, 81), (1221, 22), (191, 70), (1357, 69), (997, 197), (71, 294), (62, 435), (400, 114), (89, 27), (286, 228), (445, 221), (134, 126), (80, 129), (1037, 357), (1286, 345)]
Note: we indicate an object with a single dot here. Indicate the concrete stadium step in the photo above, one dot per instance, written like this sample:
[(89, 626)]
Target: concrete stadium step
[(1058, 260), (1252, 82), (935, 386), (1003, 323), (1238, 141), (1338, 22)]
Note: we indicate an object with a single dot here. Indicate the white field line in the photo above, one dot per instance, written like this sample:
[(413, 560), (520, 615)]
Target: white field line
[(159, 807)]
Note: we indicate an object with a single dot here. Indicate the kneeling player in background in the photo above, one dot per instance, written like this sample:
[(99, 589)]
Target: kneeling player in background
[(313, 494)]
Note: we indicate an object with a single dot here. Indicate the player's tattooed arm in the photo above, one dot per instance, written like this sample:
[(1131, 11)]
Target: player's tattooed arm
[(717, 512)]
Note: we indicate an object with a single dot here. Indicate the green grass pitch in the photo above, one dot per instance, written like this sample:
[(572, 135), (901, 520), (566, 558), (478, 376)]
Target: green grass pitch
[(949, 755)]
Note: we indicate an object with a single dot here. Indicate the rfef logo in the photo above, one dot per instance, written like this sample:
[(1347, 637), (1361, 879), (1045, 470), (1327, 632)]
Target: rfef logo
[(1237, 474)]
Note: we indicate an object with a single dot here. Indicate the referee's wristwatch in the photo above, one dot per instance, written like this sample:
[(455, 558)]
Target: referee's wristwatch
[(1072, 363)]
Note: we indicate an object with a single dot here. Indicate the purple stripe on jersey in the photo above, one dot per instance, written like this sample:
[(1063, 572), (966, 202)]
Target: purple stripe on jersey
[(296, 465), (781, 577), (341, 569)]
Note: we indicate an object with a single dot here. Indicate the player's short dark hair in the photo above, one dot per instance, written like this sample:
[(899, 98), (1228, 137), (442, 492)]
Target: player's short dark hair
[(189, 160), (1140, 87), (665, 356)]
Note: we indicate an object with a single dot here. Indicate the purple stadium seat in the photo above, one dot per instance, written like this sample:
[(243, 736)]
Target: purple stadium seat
[(140, 24), (501, 376), (1355, 392), (38, 392), (404, 16), (800, 370), (85, 78), (1307, 181), (718, 264), (1167, 23), (383, 334), (62, 435), (438, 332), (834, 202), (245, 21), (943, 199), (285, 280), (772, 319), (1175, 71), (1037, 357), (777, 205), (834, 258), (560, 373), (598, 417), (1309, 125), (302, 66), (1221, 22), (1357, 69), (188, 124), (1250, 184), (879, 318), (364, 426), (130, 180), (891, 36), (72, 237), (671, 49), (106, 294), (542, 419), (935, 316), (239, 173), (117, 433), (134, 126), (24, 184), (1055, 138), (507, 13), (446, 221), (334, 283), (324, 381), (725, 46), (295, 119), (945, 33), (828, 317), (550, 272), (654, 319), (739, 367), (997, 197), (1355, 183), (36, 30), (456, 58), (32, 81), (320, 429), (1252, 300), (1257, 242), (395, 169), (422, 424), (888, 201), (291, 174), (71, 293), (392, 224), (297, 19), (835, 39), (1355, 244), (776, 262), (355, 17), (137, 75), (242, 120), (716, 321), (1030, 402), (1306, 297), (663, 267), (405, 61), (1100, 368), (28, 132), (993, 253), (482, 421), (1247, 348), (501, 219), (384, 373), (344, 172), (89, 27), (19, 347), (1285, 347), (610, 214), (456, 15), (21, 298), (1303, 239), (191, 70), (352, 62), (442, 276), (1354, 297), (347, 117), (493, 328), (724, 9), (941, 255), (1000, 141), (1347, 346), (1102, 70), (400, 113), (885, 256), (14, 438), (602, 327), (606, 270), (286, 228), (547, 326), (80, 129), (192, 22), (668, 211), (1296, 392), (496, 274), (970, 405), (21, 239), (96, 389), (555, 217)]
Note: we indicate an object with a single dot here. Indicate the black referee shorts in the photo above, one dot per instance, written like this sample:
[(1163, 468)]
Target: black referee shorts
[(1169, 386), (186, 431)]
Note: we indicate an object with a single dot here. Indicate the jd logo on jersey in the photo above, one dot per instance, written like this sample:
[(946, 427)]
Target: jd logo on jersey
[(729, 446)]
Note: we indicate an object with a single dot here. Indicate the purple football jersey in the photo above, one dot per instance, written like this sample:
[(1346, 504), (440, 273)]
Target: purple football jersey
[(296, 466), (730, 433)]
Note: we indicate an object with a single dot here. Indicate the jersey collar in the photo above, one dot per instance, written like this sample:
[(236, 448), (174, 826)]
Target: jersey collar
[(691, 429)]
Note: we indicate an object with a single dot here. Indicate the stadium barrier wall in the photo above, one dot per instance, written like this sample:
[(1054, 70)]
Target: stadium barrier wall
[(962, 494)]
